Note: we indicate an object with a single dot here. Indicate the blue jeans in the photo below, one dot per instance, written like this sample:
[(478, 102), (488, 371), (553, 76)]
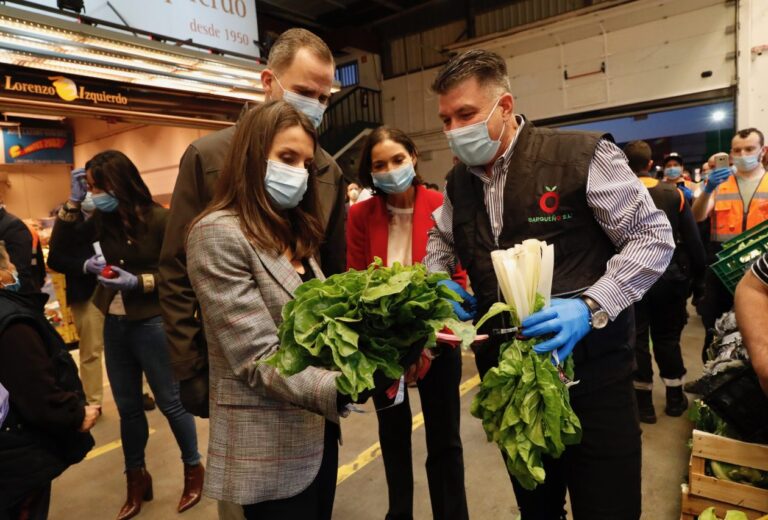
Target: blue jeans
[(133, 347)]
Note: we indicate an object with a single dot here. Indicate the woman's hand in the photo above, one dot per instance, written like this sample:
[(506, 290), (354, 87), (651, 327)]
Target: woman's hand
[(92, 413), (78, 189), (124, 281)]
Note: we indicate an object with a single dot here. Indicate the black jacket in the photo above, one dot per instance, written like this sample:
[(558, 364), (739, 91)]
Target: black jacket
[(39, 438), (18, 242), (139, 257), (67, 253)]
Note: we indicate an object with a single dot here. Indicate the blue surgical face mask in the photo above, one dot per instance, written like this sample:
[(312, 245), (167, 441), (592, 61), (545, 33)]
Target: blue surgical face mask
[(673, 172), (105, 202), (395, 181), (746, 163), (16, 285), (87, 205), (310, 107), (286, 184), (472, 144)]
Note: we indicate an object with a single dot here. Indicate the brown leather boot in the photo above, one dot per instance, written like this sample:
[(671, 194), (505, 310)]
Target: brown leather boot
[(193, 486), (139, 489)]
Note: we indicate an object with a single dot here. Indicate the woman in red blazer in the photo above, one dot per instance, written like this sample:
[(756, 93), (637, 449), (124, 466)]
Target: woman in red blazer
[(393, 225)]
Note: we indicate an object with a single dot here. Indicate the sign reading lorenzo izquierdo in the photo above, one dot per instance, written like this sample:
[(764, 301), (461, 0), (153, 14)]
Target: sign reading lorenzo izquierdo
[(60, 87)]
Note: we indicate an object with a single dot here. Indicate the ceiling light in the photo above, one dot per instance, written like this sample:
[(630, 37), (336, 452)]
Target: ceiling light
[(88, 52), (718, 116)]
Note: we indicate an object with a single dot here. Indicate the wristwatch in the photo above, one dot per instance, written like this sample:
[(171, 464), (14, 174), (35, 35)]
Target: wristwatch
[(598, 316)]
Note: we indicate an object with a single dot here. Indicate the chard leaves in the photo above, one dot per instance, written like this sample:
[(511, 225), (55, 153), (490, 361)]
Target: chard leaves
[(362, 321)]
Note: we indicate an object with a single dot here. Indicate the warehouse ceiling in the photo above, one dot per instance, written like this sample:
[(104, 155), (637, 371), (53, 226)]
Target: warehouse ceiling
[(366, 24)]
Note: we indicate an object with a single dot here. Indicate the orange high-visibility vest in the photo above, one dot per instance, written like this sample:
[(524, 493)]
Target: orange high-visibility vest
[(729, 217)]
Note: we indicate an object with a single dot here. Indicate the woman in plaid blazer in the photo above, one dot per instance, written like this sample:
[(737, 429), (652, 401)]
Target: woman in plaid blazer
[(273, 440)]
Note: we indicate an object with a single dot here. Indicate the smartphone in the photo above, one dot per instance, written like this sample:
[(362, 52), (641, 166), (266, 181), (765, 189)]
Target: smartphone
[(722, 160)]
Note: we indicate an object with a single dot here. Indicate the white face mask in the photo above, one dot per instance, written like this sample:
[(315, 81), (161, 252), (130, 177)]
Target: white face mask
[(472, 144), (310, 107), (746, 163), (87, 205)]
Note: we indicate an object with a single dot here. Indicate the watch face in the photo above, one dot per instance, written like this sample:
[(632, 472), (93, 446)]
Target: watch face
[(600, 319)]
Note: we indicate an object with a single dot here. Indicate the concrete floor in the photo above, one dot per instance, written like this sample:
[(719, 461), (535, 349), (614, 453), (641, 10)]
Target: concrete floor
[(95, 488)]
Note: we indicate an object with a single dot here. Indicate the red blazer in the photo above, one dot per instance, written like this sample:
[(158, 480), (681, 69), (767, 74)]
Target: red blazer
[(368, 230)]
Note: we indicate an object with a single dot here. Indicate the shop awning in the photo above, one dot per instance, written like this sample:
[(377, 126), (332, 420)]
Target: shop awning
[(55, 66)]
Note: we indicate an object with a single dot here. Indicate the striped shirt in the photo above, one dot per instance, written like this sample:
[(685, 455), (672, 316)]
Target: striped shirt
[(620, 204), (760, 268)]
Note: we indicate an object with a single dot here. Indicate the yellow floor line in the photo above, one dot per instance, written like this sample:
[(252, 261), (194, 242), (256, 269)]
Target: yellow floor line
[(374, 451), (101, 450)]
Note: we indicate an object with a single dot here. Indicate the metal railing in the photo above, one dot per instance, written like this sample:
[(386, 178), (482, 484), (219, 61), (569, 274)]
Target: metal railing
[(353, 111)]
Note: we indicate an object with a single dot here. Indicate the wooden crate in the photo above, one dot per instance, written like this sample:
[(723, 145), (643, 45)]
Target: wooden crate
[(705, 491)]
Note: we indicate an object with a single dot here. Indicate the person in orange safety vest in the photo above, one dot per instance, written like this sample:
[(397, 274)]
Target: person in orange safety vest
[(739, 201), (736, 200)]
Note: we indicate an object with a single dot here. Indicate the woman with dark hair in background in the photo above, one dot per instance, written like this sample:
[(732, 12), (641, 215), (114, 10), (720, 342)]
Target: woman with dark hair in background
[(129, 226), (393, 226)]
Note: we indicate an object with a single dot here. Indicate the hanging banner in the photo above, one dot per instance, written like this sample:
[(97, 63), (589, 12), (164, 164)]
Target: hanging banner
[(229, 25), (37, 145)]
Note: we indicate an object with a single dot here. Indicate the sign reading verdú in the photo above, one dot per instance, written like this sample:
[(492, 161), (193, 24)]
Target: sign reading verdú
[(229, 25)]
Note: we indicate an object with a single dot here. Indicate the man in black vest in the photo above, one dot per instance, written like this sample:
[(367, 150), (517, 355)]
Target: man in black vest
[(575, 191), (662, 311)]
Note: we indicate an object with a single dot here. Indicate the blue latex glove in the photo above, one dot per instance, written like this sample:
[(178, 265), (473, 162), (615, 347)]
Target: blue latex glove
[(716, 178), (687, 193), (567, 319), (78, 188), (124, 282), (95, 264), (461, 313)]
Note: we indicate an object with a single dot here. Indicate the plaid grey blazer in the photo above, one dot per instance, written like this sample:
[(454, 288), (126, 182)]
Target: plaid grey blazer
[(266, 431)]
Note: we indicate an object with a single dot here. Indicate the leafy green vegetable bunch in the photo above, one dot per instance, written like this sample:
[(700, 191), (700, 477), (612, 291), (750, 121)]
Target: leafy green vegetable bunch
[(525, 407), (362, 321)]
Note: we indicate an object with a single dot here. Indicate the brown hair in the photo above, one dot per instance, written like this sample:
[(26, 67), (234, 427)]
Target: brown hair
[(241, 187), (115, 173), (288, 44), (379, 135), (487, 67), (745, 133), (638, 155)]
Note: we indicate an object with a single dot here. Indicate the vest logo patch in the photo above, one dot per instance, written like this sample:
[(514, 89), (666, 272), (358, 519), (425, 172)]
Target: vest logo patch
[(549, 203)]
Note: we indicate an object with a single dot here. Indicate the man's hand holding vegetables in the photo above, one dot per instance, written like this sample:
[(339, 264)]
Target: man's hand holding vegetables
[(567, 319)]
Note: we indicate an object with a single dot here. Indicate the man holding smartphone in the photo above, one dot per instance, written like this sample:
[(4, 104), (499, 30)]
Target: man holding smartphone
[(735, 202)]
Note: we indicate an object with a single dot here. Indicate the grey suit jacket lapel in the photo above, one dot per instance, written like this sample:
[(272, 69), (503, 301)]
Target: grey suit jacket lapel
[(316, 269), (282, 270)]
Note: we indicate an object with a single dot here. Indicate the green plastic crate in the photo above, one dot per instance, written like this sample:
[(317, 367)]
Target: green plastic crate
[(743, 238), (731, 266)]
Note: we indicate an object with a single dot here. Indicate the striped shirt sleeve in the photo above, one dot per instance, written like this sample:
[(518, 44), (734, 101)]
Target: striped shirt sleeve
[(760, 269), (640, 232), (441, 255)]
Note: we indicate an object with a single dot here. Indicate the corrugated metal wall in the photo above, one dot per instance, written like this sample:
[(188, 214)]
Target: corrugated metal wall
[(421, 50)]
